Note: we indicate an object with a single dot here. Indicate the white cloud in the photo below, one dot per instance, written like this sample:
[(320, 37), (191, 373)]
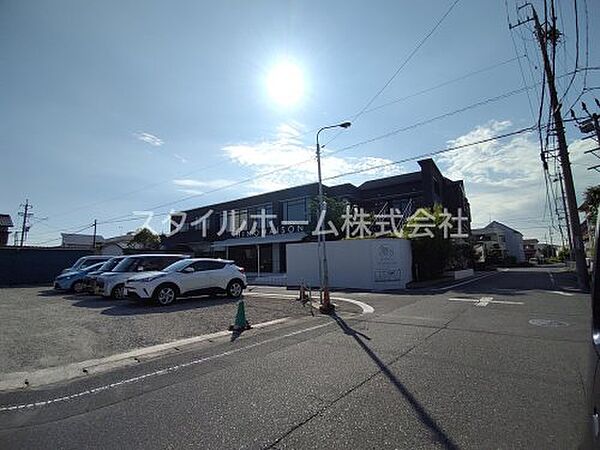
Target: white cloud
[(504, 178), (191, 191), (148, 138), (197, 187), (180, 158), (271, 159)]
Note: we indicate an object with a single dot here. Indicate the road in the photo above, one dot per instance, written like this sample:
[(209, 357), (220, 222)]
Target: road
[(495, 363)]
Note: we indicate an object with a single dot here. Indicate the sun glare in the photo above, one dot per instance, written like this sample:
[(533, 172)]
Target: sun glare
[(285, 83)]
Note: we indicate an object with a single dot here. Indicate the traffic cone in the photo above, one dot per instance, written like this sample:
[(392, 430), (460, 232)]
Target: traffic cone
[(326, 307), (241, 323)]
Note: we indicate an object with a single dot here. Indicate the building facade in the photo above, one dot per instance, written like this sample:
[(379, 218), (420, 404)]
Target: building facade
[(6, 224), (497, 242), (213, 230)]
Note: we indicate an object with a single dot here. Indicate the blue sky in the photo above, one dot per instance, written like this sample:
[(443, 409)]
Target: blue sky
[(113, 107)]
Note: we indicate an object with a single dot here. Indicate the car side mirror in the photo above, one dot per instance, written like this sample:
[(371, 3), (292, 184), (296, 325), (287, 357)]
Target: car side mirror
[(140, 268), (188, 269)]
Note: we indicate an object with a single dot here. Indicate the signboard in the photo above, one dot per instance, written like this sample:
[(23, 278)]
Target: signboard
[(386, 263)]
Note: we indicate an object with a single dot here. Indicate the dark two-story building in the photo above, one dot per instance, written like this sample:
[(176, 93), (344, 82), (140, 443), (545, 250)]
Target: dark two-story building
[(266, 252)]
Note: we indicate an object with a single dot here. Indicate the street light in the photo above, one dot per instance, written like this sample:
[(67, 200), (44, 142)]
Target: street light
[(326, 306)]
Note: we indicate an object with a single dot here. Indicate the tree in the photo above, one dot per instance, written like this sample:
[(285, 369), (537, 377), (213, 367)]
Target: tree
[(335, 211), (145, 239), (591, 202), (563, 254), (431, 253)]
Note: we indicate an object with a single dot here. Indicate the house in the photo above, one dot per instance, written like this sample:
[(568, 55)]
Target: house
[(5, 224), (116, 245), (80, 241), (531, 249), (292, 211), (497, 242)]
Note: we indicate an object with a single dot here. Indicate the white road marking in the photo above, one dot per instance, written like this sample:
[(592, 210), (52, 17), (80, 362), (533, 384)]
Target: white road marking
[(484, 301), (367, 309), (155, 373), (552, 279), (566, 294), (55, 374), (462, 283)]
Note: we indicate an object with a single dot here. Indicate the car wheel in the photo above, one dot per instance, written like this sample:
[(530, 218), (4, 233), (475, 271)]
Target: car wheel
[(235, 289), (165, 295), (77, 287), (118, 292)]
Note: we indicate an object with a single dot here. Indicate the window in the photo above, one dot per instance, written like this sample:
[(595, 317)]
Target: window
[(199, 223), (201, 266), (296, 210), (257, 211), (241, 220)]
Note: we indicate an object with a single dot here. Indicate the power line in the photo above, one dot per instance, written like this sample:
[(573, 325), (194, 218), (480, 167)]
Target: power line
[(435, 153), (519, 60), (445, 83), (128, 217), (349, 147), (406, 60), (64, 231), (400, 67), (576, 51)]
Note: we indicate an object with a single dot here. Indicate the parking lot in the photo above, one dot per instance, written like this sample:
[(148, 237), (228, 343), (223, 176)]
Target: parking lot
[(42, 328)]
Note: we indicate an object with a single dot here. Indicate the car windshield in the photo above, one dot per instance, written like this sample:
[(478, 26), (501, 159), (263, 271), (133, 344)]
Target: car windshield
[(92, 267), (79, 262), (110, 264), (87, 263), (127, 265), (177, 266)]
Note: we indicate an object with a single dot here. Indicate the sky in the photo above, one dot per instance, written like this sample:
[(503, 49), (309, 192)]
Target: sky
[(110, 109)]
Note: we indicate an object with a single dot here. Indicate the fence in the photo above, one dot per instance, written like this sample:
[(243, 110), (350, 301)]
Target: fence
[(29, 265)]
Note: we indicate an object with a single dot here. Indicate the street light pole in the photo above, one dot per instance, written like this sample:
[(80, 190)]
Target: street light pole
[(326, 306)]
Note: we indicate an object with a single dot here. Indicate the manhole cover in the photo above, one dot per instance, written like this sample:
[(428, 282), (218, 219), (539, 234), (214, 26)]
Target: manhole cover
[(548, 323)]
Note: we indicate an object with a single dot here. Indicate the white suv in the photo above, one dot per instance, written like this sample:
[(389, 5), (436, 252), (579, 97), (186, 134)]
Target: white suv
[(110, 284), (186, 278)]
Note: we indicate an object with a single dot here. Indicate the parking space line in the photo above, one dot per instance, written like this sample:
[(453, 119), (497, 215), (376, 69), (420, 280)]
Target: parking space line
[(164, 371)]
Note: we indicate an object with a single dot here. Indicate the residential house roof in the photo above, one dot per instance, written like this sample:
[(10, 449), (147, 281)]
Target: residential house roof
[(495, 224), (5, 221)]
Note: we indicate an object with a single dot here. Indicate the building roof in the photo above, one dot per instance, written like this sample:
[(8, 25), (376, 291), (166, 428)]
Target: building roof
[(391, 181), (340, 189), (495, 224), (255, 240), (84, 240), (5, 221)]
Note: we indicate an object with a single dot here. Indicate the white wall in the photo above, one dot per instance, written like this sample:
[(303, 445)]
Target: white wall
[(111, 250), (374, 264), (514, 246)]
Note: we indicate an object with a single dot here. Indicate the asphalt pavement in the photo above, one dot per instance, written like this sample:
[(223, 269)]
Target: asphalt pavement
[(499, 362)]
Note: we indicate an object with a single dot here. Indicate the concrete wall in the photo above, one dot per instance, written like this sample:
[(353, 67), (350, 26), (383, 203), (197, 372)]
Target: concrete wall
[(35, 265), (372, 264)]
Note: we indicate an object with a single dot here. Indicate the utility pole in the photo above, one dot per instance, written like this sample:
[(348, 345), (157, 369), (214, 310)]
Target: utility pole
[(578, 251), (94, 238), (25, 215), (567, 221)]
